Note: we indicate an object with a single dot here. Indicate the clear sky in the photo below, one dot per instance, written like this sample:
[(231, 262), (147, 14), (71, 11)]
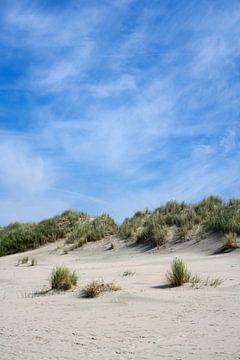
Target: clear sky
[(117, 105)]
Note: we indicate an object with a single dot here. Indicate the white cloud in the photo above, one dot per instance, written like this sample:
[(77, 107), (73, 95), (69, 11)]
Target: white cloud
[(21, 171), (145, 109)]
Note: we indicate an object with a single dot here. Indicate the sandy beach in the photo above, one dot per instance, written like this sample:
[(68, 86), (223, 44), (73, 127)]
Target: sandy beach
[(144, 320)]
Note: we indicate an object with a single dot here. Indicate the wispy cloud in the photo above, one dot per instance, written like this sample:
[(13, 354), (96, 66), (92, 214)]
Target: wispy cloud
[(119, 106)]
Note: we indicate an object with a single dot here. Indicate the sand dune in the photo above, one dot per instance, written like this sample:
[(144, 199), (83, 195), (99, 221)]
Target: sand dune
[(142, 321)]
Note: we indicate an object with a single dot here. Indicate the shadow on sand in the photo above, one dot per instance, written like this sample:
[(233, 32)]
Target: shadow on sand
[(143, 247), (224, 250), (163, 286)]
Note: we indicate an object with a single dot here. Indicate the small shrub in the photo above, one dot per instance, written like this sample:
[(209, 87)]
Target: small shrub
[(128, 273), (179, 273), (96, 287), (230, 240), (62, 278)]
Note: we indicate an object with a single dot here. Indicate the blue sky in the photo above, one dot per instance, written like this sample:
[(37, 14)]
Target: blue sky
[(115, 106)]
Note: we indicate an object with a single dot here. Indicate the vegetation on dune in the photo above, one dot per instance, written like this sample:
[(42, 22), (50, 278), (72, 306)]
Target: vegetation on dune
[(179, 273), (97, 287), (226, 218), (184, 219), (178, 219), (19, 237), (93, 229), (230, 240), (62, 278), (76, 227)]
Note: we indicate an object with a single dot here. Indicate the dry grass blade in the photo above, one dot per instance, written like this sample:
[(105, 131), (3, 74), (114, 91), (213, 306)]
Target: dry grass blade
[(96, 287)]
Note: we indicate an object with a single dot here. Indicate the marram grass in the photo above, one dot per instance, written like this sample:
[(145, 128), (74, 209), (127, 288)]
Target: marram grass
[(179, 273), (62, 278)]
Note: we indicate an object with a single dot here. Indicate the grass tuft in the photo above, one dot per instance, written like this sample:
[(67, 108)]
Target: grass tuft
[(179, 273), (230, 240), (62, 278), (128, 273), (96, 287)]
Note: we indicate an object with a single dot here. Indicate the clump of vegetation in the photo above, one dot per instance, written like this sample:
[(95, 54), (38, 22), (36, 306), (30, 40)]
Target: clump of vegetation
[(130, 226), (179, 273), (62, 278), (93, 229), (23, 260), (97, 287), (160, 235), (128, 273), (226, 218), (21, 237), (183, 219), (183, 232), (230, 240)]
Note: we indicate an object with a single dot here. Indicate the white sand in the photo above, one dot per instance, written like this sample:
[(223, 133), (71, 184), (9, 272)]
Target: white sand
[(143, 321)]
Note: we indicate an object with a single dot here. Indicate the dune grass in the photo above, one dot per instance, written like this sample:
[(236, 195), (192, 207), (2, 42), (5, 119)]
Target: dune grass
[(179, 273), (62, 278), (97, 287), (128, 273), (21, 237), (178, 219), (92, 229), (230, 240), (183, 218)]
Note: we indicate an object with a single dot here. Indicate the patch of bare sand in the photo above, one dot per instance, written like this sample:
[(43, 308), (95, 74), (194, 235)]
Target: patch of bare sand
[(143, 321)]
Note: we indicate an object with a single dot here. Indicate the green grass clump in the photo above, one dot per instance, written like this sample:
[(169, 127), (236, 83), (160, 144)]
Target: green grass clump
[(230, 240), (96, 287), (179, 273), (62, 278)]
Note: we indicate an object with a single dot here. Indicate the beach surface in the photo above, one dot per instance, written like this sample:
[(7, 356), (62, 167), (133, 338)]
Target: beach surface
[(144, 320)]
